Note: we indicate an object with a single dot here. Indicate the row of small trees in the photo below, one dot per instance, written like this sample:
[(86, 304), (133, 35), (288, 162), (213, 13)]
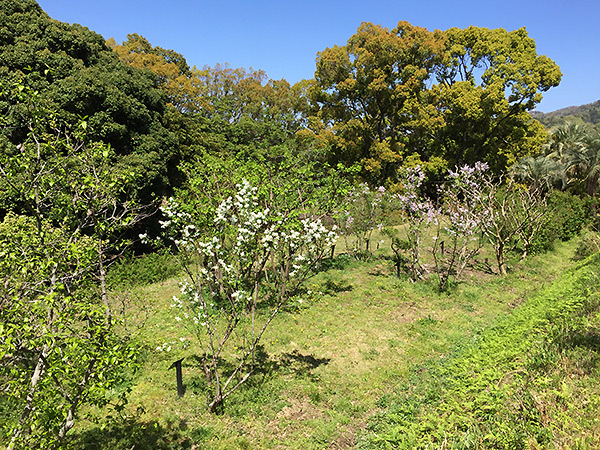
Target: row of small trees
[(247, 235), (472, 208)]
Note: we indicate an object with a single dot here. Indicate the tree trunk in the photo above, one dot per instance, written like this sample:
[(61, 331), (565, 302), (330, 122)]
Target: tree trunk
[(38, 373), (500, 259)]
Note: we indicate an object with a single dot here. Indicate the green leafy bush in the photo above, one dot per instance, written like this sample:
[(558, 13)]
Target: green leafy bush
[(588, 245), (133, 270), (569, 214)]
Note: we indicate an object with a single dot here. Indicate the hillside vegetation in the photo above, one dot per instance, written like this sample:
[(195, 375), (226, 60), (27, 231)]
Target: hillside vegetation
[(589, 113)]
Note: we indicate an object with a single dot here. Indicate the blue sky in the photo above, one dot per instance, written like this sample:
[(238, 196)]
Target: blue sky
[(283, 37)]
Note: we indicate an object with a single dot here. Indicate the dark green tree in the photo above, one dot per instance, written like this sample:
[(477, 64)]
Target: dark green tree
[(77, 75)]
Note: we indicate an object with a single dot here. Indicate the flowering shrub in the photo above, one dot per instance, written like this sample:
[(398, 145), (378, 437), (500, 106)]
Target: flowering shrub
[(419, 213), (508, 214), (458, 241), (240, 273)]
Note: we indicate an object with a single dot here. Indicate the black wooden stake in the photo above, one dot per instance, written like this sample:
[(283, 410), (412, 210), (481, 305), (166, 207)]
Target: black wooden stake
[(179, 375)]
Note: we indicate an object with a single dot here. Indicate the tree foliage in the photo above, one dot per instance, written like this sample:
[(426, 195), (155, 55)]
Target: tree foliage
[(77, 75), (59, 346), (446, 98)]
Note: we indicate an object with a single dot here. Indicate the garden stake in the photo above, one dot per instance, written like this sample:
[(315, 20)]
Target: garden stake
[(177, 365)]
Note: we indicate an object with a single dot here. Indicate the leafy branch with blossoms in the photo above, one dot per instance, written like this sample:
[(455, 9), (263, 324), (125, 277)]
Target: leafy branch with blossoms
[(240, 273), (363, 212)]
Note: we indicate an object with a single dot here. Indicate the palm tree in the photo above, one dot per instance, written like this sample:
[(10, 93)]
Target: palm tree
[(565, 138), (540, 172), (584, 165), (577, 147)]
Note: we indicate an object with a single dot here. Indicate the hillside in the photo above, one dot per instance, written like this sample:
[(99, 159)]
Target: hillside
[(589, 113)]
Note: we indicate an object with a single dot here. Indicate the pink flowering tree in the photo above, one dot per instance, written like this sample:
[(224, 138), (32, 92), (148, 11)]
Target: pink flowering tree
[(508, 214), (418, 213), (241, 271), (458, 239), (363, 213)]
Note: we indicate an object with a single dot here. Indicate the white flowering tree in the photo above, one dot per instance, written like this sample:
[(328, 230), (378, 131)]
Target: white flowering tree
[(243, 265)]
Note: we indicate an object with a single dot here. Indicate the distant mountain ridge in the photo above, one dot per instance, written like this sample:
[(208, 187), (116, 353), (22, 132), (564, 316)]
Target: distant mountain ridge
[(589, 113)]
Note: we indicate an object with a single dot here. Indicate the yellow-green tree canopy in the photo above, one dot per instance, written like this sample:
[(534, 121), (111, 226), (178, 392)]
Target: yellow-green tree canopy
[(438, 97)]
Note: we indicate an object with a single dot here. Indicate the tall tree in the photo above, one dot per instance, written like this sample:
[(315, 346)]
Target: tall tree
[(444, 97), (373, 93), (77, 75), (489, 81)]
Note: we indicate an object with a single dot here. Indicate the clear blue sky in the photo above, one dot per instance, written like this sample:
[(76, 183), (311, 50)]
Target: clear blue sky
[(283, 37)]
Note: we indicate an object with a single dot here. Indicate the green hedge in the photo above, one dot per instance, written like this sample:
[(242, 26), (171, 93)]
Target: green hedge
[(569, 213)]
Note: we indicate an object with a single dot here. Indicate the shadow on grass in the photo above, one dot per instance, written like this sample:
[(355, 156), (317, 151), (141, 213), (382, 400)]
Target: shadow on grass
[(265, 367), (139, 435), (300, 364), (584, 343)]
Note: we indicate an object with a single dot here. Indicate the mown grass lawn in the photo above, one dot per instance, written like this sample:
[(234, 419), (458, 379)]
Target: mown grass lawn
[(325, 366)]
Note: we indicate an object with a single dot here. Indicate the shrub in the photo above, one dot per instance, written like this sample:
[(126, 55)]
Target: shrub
[(150, 268), (569, 214), (589, 244)]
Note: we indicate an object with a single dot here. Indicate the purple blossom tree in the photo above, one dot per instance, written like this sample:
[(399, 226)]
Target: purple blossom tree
[(509, 214), (419, 213), (458, 239)]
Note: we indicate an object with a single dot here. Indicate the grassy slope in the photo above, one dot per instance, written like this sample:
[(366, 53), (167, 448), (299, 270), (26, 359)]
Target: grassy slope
[(325, 367), (530, 380)]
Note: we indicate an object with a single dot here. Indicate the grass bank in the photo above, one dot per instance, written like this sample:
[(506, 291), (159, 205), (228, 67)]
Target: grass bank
[(339, 369)]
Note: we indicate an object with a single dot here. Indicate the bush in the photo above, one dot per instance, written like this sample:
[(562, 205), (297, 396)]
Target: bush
[(569, 214), (589, 244), (150, 268)]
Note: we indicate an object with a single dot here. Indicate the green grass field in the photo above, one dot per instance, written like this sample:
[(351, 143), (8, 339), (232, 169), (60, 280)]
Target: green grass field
[(370, 360)]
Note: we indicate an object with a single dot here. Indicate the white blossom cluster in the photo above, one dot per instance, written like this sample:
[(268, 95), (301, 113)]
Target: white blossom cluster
[(244, 237), (166, 347), (194, 309), (178, 220), (313, 237)]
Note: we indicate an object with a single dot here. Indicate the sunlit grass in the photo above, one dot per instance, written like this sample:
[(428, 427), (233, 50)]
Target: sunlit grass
[(326, 365)]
